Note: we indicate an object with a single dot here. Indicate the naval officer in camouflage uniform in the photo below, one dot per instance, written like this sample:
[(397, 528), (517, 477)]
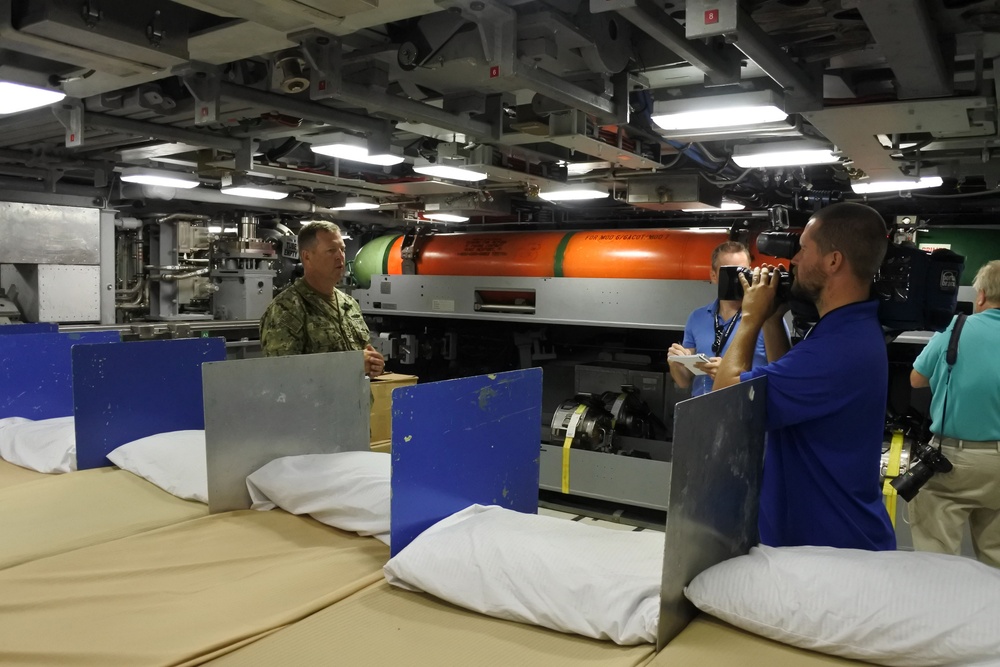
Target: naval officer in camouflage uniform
[(312, 315)]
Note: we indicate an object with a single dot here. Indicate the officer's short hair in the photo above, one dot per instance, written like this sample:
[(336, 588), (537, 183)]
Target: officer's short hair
[(728, 248), (307, 235), (988, 280), (855, 230)]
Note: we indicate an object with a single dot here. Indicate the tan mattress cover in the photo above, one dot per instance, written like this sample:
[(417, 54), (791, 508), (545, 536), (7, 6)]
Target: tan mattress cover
[(179, 594), (12, 475), (383, 625), (78, 509), (709, 642)]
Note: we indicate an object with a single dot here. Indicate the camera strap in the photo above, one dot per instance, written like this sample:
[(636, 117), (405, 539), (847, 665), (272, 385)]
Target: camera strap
[(950, 357)]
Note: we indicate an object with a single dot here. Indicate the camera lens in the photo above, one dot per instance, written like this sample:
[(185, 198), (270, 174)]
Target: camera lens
[(909, 483)]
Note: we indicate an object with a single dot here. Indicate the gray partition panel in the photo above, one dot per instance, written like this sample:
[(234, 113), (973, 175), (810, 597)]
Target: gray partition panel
[(714, 492), (257, 410)]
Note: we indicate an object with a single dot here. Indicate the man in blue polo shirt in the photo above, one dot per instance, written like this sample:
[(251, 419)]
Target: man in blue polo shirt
[(709, 329), (965, 408), (826, 397)]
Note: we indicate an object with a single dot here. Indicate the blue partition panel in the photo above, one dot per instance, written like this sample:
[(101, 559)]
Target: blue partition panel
[(128, 391), (36, 372), (39, 327), (461, 442)]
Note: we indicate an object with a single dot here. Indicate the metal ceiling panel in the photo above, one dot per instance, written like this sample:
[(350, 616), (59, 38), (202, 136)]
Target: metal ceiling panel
[(154, 34), (857, 139)]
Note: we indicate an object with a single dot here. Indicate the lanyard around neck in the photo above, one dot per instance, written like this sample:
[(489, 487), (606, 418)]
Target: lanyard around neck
[(722, 333)]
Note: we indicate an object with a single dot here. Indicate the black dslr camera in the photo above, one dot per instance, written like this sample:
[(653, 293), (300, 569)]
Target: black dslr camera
[(925, 462)]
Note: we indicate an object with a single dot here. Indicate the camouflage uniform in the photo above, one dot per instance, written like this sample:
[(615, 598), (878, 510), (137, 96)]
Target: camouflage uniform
[(300, 320)]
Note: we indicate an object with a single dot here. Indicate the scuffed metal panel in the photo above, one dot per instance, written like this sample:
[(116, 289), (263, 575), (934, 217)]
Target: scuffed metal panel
[(258, 410), (41, 234), (715, 480)]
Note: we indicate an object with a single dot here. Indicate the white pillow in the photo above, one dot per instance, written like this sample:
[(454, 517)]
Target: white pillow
[(346, 490), (173, 461), (542, 570), (46, 445), (890, 607)]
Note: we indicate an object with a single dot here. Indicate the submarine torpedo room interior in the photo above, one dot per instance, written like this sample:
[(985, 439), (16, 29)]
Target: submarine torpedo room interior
[(519, 183)]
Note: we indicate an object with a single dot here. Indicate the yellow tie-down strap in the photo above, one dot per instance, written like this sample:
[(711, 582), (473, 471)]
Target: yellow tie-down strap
[(568, 443), (891, 473)]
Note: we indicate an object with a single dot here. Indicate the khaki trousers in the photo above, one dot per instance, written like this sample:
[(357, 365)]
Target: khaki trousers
[(970, 492)]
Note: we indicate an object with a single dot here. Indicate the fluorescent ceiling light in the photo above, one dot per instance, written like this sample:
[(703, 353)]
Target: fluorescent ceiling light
[(163, 177), (446, 217), (451, 173), (214, 229), (15, 97), (580, 193), (718, 111), (578, 168), (358, 204), (726, 206), (257, 192), (783, 154), (863, 187), (349, 147)]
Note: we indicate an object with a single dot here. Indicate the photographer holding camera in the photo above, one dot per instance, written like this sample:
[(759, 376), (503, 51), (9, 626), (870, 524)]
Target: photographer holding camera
[(965, 411), (709, 328), (826, 396)]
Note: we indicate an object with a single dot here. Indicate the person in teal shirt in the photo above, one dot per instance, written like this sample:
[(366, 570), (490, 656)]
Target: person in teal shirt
[(965, 420)]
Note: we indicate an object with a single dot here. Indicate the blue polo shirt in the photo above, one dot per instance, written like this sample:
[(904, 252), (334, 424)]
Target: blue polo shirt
[(699, 334), (826, 401), (974, 395)]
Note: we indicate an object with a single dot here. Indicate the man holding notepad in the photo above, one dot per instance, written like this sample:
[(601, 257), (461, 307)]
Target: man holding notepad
[(709, 329)]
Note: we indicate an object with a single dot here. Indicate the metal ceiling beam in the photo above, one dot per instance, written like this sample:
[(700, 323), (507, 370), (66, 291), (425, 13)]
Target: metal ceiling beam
[(649, 17), (158, 131), (759, 47), (310, 110), (905, 33), (550, 85), (377, 101)]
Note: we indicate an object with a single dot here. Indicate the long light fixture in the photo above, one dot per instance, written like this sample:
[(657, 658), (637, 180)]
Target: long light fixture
[(358, 204), (162, 177), (240, 184), (257, 192), (446, 217), (580, 192), (783, 154), (725, 206), (863, 188), (718, 111), (346, 146), (453, 173), (15, 97)]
